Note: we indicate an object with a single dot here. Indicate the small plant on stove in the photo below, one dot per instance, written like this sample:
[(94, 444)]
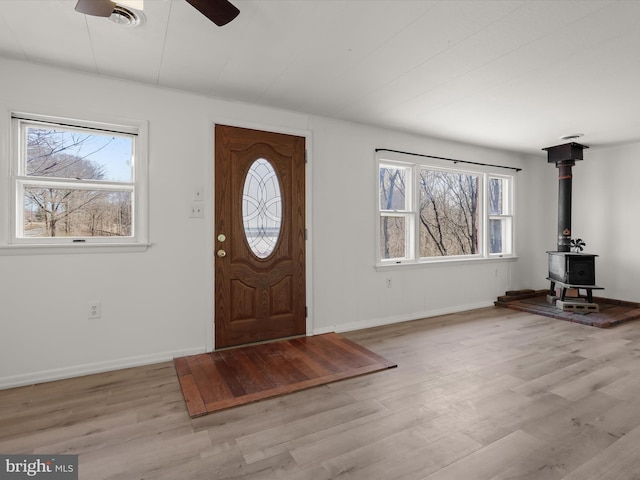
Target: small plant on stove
[(577, 245)]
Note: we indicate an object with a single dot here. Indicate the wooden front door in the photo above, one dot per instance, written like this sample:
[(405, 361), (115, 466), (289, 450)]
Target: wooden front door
[(259, 236)]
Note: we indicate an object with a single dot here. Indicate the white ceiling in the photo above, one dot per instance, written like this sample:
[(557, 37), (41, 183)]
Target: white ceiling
[(509, 74)]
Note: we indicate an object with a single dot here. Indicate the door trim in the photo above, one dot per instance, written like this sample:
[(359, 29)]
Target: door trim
[(210, 217)]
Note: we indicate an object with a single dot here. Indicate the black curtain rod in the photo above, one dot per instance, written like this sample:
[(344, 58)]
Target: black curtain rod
[(444, 158)]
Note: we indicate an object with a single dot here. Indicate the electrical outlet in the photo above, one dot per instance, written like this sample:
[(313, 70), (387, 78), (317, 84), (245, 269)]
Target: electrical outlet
[(197, 194), (95, 310), (388, 283), (196, 210)]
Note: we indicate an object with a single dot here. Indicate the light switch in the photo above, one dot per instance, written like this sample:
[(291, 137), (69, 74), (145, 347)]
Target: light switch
[(196, 210)]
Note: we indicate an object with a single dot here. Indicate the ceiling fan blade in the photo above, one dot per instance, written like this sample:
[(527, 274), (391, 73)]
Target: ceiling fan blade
[(219, 12), (97, 8)]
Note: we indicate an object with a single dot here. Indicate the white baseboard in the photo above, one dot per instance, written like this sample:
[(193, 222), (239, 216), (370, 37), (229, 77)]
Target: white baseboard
[(378, 322), (323, 330), (91, 368)]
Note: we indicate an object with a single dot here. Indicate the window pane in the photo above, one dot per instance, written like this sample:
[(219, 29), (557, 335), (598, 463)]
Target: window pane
[(261, 208), (392, 188), (86, 155), (393, 237), (52, 212), (500, 235), (449, 213), (498, 196)]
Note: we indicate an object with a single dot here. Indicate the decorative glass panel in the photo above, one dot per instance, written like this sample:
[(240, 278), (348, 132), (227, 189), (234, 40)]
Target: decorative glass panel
[(261, 208)]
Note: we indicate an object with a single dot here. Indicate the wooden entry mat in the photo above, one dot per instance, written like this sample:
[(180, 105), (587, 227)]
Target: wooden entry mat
[(228, 378)]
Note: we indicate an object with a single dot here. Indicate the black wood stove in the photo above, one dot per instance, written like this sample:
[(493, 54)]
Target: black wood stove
[(572, 270), (568, 269)]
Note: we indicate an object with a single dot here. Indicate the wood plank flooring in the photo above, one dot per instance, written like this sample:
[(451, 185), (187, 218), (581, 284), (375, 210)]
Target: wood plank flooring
[(490, 394), (229, 378)]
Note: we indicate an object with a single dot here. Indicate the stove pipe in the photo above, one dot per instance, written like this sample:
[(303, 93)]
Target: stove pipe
[(564, 156)]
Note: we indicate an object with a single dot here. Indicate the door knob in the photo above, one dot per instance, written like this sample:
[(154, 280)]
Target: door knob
[(221, 253)]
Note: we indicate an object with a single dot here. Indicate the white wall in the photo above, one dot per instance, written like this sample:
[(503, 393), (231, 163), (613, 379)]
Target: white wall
[(158, 304), (350, 292), (537, 222), (155, 305), (606, 209)]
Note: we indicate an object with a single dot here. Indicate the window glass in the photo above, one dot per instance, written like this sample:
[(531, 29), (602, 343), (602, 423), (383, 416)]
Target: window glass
[(449, 213), (393, 237), (69, 153), (392, 188), (497, 196), (57, 212), (499, 239)]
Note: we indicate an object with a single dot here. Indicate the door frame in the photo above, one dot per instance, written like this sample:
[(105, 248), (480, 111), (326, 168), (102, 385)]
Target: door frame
[(210, 217)]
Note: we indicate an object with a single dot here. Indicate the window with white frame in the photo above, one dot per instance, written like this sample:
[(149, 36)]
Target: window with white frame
[(440, 211), (77, 182), (396, 215)]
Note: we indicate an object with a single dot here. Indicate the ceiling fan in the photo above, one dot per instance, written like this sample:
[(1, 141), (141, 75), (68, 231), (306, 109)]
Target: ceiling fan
[(219, 12)]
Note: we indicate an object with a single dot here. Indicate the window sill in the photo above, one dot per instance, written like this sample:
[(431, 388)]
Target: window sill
[(73, 248), (444, 262)]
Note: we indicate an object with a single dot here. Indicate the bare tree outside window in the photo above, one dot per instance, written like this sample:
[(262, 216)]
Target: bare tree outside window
[(449, 215), (431, 212), (499, 215), (72, 186), (393, 230)]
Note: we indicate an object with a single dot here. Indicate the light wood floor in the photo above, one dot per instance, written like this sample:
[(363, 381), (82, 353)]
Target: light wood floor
[(488, 394)]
